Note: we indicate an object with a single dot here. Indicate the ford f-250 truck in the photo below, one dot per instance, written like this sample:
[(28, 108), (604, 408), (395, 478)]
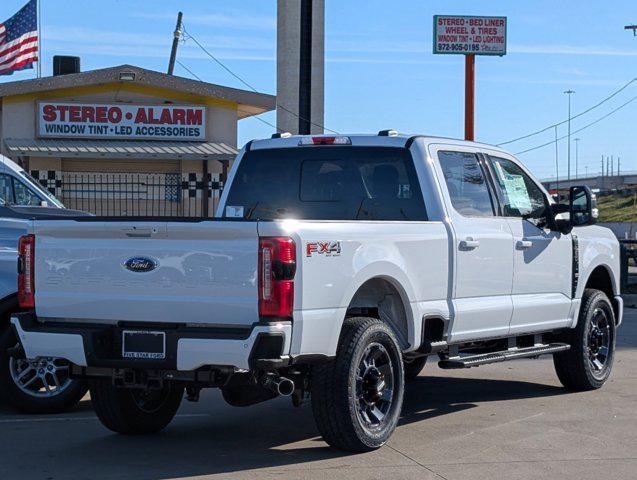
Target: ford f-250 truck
[(335, 266)]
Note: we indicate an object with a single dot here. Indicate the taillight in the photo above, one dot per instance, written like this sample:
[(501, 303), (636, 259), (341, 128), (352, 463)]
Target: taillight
[(277, 266), (26, 271)]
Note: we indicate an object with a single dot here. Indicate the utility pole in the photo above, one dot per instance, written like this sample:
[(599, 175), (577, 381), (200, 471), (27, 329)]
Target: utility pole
[(557, 164), (602, 165), (305, 68), (633, 28), (469, 96), (576, 156), (619, 162), (173, 51), (300, 66), (569, 93)]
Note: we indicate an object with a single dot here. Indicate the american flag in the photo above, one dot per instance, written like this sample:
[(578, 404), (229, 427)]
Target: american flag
[(19, 40)]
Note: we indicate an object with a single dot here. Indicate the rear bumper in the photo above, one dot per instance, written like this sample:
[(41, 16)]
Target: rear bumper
[(260, 346)]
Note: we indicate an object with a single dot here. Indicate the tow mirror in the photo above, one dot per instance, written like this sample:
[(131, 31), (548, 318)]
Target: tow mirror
[(582, 206), (561, 218)]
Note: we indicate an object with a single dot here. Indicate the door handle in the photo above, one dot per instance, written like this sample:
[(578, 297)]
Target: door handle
[(524, 244), (139, 232), (469, 244)]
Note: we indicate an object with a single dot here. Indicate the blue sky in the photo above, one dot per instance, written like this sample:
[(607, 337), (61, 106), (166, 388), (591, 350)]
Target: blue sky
[(380, 71)]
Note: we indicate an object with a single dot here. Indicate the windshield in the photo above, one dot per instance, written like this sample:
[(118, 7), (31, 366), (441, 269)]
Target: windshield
[(326, 183), (36, 185)]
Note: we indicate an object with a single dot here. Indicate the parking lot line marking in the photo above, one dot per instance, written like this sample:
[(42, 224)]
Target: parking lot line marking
[(69, 419)]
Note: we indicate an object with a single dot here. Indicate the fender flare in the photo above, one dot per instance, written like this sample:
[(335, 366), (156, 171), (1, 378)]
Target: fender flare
[(397, 278)]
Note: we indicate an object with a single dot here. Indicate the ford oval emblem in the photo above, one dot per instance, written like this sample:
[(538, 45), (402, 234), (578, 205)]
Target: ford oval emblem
[(140, 264)]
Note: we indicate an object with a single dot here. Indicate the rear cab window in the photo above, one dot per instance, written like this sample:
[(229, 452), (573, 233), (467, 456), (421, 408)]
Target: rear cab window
[(327, 183)]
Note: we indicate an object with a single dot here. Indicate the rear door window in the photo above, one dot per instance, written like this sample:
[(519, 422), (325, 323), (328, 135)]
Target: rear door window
[(466, 184), (327, 183), (24, 196)]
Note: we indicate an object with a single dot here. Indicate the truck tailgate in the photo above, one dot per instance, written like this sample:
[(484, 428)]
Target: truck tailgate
[(199, 272)]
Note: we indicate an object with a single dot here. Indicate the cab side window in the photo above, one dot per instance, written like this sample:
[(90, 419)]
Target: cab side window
[(6, 189), (521, 196), (466, 184)]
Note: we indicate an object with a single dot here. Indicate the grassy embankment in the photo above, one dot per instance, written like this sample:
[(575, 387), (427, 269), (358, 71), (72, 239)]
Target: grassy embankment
[(618, 208)]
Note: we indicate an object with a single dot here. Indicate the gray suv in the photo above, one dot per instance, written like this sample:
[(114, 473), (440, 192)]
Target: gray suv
[(33, 386)]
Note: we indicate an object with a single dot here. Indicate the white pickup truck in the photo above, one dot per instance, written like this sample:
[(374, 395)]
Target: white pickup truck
[(335, 265)]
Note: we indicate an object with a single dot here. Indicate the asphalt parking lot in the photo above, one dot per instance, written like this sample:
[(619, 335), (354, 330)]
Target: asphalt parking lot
[(505, 421)]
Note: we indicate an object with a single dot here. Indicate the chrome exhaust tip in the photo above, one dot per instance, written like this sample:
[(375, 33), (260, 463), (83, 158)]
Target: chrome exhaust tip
[(279, 385)]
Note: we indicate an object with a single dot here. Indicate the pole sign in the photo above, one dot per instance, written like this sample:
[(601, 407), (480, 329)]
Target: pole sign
[(121, 121), (470, 35)]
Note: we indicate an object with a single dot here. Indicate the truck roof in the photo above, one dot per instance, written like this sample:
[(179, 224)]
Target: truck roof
[(393, 139)]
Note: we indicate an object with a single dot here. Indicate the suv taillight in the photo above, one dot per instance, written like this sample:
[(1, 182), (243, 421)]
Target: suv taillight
[(277, 266), (26, 271)]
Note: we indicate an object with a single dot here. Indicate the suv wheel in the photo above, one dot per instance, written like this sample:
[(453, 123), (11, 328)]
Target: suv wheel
[(36, 386), (135, 411), (588, 363), (357, 398)]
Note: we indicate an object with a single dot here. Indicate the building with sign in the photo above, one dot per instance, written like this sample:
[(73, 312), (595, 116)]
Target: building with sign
[(125, 140)]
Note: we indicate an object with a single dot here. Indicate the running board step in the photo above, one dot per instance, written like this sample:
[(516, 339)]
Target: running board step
[(495, 357)]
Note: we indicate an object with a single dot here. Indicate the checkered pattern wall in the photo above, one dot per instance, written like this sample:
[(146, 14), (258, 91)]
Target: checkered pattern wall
[(192, 185), (49, 179)]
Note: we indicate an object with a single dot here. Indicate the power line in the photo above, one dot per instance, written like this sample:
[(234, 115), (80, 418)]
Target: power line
[(580, 129), (188, 70), (227, 69), (199, 78), (573, 117)]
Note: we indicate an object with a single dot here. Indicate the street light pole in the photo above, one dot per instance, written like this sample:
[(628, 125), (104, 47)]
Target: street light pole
[(569, 93), (576, 156)]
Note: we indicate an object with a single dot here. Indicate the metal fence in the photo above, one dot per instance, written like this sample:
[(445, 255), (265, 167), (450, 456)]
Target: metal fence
[(628, 263), (141, 194)]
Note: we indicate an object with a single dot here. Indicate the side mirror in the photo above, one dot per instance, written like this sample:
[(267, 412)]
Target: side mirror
[(561, 222), (582, 206)]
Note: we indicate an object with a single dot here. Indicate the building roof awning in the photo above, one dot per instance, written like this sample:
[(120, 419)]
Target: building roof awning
[(248, 103), (152, 150)]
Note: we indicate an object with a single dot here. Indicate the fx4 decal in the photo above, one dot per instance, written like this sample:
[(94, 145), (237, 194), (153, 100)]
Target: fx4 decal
[(328, 249)]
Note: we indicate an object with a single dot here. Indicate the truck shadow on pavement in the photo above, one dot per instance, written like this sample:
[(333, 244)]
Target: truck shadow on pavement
[(271, 435)]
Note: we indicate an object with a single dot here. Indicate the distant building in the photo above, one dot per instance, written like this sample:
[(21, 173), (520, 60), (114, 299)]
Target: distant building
[(126, 140)]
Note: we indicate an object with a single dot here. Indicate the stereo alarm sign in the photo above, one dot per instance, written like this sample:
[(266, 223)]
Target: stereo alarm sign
[(470, 35), (121, 121)]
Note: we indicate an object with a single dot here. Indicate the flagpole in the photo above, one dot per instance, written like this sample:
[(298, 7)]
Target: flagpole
[(39, 13)]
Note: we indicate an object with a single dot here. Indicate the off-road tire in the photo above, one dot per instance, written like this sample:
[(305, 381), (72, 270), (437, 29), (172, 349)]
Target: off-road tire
[(333, 388), (413, 367), (118, 411), (573, 367), (21, 400)]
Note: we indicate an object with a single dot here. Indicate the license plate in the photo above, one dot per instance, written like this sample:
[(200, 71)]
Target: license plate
[(143, 344)]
